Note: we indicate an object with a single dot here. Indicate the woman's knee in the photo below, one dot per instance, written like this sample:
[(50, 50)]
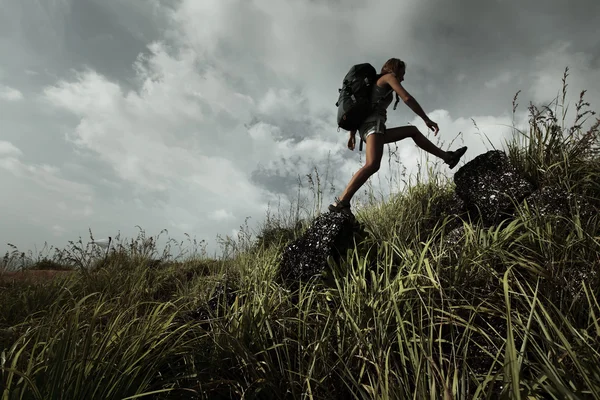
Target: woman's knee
[(400, 133), (413, 131), (371, 167)]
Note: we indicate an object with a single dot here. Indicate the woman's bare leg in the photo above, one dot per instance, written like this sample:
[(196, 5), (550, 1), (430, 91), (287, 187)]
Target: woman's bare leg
[(402, 132), (374, 152)]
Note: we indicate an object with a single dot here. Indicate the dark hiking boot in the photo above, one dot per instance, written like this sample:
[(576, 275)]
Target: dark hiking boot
[(455, 157), (340, 206)]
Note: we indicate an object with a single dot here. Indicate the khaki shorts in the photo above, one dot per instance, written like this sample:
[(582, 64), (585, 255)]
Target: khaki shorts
[(371, 127)]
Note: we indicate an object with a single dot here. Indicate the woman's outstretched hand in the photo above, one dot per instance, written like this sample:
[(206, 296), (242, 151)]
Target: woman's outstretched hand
[(352, 140), (433, 126)]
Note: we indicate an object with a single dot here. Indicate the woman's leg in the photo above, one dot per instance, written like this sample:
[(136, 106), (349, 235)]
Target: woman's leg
[(374, 152), (402, 132)]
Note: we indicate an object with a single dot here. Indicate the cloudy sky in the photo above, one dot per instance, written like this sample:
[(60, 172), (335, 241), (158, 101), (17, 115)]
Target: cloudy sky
[(191, 115)]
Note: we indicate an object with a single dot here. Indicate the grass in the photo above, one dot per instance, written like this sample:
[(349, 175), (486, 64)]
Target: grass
[(426, 308)]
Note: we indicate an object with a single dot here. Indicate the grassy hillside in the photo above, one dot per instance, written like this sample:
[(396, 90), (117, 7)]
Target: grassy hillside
[(415, 311)]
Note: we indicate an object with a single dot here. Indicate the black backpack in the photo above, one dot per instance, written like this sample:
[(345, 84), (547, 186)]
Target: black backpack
[(354, 102)]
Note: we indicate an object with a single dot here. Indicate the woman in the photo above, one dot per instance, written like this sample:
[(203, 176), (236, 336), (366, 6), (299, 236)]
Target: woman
[(374, 133)]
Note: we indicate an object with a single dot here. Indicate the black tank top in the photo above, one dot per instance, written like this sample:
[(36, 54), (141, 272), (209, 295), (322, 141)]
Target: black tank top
[(381, 98)]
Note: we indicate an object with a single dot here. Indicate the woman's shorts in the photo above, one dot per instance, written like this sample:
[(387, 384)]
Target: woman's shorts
[(370, 127)]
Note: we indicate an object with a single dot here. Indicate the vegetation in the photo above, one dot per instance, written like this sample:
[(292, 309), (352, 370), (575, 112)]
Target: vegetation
[(510, 311)]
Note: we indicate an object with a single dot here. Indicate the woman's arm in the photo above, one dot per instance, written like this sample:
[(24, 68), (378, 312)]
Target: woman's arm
[(410, 101)]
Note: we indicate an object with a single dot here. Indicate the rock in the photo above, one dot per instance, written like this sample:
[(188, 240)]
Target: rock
[(556, 201), (449, 205), (489, 186), (331, 234), (455, 237), (222, 297), (452, 245)]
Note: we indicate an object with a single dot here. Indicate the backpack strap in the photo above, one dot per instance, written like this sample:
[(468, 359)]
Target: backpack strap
[(397, 101)]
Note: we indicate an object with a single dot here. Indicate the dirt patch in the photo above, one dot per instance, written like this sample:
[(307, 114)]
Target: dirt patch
[(32, 276)]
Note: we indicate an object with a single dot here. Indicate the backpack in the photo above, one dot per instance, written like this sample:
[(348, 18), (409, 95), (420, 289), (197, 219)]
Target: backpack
[(354, 101)]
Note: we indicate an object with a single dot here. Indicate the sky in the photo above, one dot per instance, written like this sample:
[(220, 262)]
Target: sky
[(195, 116)]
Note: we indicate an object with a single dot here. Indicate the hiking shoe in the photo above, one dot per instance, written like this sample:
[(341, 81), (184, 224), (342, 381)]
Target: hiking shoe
[(455, 157), (340, 206)]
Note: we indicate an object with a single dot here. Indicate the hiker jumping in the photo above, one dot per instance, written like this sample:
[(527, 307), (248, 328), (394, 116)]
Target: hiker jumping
[(369, 120)]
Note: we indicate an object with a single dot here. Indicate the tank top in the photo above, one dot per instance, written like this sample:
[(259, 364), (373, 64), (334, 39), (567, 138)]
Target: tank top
[(381, 98)]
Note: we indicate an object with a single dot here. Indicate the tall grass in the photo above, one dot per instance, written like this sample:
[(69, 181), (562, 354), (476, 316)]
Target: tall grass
[(426, 308)]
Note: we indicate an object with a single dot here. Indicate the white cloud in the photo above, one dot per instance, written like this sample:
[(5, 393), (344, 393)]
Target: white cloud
[(282, 102), (188, 126), (10, 94), (170, 137), (7, 149), (503, 78), (221, 215), (48, 178), (58, 230), (40, 200)]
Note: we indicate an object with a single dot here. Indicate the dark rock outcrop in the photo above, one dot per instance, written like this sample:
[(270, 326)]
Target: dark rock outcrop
[(221, 298), (448, 206), (331, 234), (556, 201), (490, 187), (455, 237)]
